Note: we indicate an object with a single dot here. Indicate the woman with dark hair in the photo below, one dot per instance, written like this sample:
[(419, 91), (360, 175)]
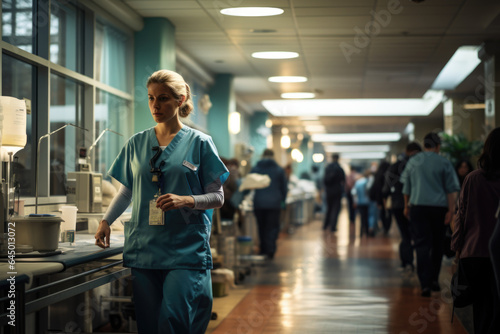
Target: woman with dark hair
[(474, 225), (462, 168)]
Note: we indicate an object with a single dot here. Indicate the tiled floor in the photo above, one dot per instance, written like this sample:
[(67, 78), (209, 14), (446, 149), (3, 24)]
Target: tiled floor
[(334, 283)]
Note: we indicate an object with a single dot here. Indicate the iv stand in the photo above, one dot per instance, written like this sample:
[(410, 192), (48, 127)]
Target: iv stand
[(38, 158), (95, 143)]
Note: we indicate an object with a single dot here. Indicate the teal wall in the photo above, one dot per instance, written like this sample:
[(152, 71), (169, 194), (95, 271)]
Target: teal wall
[(258, 132), (222, 97), (154, 50)]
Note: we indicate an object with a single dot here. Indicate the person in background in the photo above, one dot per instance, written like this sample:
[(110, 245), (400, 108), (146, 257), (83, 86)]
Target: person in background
[(230, 188), (474, 226), (394, 189), (173, 176), (349, 184), (379, 197), (463, 168), (268, 202), (430, 186), (361, 201), (333, 180), (318, 182), (372, 204)]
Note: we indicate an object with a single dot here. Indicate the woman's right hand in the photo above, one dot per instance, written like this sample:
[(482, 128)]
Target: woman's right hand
[(102, 234)]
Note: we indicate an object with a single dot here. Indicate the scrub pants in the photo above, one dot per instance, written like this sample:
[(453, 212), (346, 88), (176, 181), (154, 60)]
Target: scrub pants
[(172, 301)]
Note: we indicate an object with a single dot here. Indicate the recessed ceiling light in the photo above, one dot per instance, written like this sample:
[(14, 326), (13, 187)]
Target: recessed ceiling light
[(356, 137), (287, 79), (356, 107), (275, 55), (252, 11), (298, 95)]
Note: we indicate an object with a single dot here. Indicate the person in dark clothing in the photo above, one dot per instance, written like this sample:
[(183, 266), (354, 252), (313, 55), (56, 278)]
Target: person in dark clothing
[(379, 197), (430, 187), (475, 224), (394, 188), (268, 201), (334, 181), (350, 179)]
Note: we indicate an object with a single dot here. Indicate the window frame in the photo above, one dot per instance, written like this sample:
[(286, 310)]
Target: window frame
[(41, 93)]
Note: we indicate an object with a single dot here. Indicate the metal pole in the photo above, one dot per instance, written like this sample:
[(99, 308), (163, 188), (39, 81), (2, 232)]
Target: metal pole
[(38, 158)]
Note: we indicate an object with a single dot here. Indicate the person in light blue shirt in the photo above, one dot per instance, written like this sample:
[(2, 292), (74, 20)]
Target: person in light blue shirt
[(173, 176), (430, 187), (361, 201)]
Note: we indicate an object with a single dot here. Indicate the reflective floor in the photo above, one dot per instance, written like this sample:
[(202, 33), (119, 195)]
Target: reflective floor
[(336, 283)]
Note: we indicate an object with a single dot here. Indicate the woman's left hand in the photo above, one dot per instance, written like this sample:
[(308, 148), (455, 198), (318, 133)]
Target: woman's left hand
[(171, 201)]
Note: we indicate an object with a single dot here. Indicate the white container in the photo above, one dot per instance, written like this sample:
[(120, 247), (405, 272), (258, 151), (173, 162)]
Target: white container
[(68, 226)]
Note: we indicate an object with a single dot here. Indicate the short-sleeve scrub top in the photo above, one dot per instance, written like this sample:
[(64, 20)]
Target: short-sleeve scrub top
[(190, 163)]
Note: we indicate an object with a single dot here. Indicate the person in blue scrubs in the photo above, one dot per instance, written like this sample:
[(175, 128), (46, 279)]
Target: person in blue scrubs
[(173, 176)]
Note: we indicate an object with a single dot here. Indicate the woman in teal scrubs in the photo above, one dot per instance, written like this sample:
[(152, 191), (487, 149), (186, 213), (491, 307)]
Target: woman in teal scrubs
[(173, 176)]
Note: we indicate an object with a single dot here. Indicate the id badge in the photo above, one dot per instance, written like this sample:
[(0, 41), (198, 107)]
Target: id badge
[(155, 214)]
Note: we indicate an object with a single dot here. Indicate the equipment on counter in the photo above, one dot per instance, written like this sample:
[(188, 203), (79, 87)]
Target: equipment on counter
[(38, 158), (85, 186), (85, 191)]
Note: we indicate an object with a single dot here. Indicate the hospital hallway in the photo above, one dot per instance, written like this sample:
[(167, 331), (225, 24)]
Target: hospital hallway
[(336, 283)]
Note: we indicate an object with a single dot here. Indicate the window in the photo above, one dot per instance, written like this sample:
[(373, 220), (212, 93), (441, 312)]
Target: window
[(15, 84), (113, 57), (17, 23), (115, 114), (64, 90), (66, 35), (65, 107)]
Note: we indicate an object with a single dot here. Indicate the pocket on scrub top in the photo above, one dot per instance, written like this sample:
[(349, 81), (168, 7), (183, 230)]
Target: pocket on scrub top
[(191, 174)]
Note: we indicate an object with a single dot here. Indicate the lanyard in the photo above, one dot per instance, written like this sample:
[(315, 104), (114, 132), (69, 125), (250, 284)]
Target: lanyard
[(156, 171)]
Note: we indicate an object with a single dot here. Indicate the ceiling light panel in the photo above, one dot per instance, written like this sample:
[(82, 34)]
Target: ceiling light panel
[(356, 137), (356, 107), (275, 55), (287, 79), (252, 11), (460, 65)]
